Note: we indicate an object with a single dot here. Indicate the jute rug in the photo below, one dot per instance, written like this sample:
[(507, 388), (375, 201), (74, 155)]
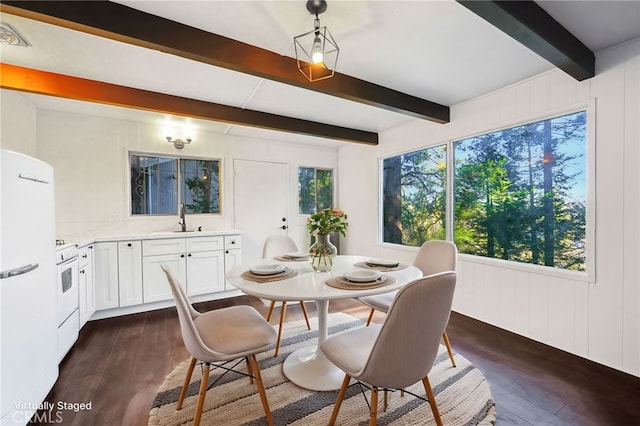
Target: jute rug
[(462, 393)]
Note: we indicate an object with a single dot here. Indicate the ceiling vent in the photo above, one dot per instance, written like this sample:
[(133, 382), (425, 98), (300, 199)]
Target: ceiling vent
[(11, 36)]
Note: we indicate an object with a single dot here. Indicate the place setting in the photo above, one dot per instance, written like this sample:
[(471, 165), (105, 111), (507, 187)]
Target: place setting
[(360, 280), (268, 273), (382, 265), (297, 256)]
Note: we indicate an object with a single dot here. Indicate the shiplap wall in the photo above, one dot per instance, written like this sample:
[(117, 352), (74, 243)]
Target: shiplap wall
[(598, 320)]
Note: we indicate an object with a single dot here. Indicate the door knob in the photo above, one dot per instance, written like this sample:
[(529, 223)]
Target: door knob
[(284, 227)]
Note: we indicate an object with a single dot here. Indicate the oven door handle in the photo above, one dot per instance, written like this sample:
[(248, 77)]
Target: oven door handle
[(18, 271)]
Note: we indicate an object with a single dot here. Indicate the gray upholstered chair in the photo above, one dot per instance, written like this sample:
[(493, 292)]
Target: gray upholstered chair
[(434, 256), (277, 245), (221, 336), (401, 351)]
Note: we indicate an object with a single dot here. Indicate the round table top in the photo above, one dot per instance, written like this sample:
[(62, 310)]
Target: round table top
[(310, 285)]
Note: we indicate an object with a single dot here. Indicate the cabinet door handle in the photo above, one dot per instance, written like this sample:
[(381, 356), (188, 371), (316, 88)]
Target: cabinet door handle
[(182, 255), (227, 251), (189, 255), (82, 271), (128, 244)]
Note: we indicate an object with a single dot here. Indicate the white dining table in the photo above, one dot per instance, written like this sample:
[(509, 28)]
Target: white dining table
[(307, 367)]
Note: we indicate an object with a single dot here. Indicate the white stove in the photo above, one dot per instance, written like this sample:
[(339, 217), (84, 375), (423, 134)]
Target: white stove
[(67, 288)]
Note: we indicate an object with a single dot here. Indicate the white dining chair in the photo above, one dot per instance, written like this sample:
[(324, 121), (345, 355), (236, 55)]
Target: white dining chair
[(401, 351), (217, 337), (433, 257), (278, 245)]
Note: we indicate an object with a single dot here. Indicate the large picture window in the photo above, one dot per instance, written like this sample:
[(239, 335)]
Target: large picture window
[(160, 184), (414, 196), (518, 194), (315, 190)]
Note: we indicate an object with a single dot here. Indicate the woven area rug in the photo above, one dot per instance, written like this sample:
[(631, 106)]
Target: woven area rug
[(462, 393)]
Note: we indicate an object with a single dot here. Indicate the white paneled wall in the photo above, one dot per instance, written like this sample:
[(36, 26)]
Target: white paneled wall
[(89, 156), (599, 320)]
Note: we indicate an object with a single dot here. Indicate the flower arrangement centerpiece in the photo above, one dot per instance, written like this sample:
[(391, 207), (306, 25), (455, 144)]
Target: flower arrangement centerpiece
[(321, 225)]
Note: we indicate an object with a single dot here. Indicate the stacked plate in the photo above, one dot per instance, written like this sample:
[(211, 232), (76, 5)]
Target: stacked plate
[(381, 263), (364, 277), (297, 255), (267, 269)]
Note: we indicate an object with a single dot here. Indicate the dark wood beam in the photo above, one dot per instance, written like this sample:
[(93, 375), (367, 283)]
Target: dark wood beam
[(529, 24), (64, 86), (125, 24)]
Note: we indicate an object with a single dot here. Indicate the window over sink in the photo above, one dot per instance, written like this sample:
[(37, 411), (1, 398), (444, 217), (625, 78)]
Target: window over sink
[(159, 184)]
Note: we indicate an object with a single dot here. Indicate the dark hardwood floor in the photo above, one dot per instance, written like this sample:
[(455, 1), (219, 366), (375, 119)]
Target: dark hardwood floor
[(118, 364)]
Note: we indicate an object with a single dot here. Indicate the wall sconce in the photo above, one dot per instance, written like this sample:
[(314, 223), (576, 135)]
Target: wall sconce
[(178, 143)]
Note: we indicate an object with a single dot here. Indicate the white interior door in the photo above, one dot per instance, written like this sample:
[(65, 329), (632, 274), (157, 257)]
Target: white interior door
[(261, 200)]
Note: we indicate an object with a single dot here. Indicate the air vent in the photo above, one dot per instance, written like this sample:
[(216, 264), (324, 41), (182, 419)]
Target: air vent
[(10, 36)]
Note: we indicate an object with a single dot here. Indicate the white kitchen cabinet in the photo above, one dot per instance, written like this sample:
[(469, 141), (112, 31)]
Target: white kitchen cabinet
[(155, 287), (130, 273), (106, 275), (205, 272), (86, 285), (197, 261), (232, 253)]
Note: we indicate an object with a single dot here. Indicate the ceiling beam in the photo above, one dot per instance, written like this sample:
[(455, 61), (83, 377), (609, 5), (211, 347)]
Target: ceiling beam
[(64, 86), (529, 24), (125, 24)]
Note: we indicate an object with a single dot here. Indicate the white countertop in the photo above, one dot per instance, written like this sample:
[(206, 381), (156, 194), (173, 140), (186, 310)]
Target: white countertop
[(84, 239)]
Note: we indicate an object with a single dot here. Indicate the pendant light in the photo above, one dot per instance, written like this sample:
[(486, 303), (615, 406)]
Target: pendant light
[(316, 50)]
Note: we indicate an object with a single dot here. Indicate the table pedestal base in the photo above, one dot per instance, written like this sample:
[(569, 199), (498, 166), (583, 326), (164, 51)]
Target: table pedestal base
[(308, 368)]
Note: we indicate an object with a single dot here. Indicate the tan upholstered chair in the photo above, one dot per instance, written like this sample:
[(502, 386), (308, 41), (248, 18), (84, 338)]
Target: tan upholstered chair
[(277, 245), (221, 336), (401, 351), (434, 256)]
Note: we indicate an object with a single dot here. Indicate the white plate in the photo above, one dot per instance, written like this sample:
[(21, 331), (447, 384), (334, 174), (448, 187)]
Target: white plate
[(362, 276), (383, 263), (297, 255), (267, 269)]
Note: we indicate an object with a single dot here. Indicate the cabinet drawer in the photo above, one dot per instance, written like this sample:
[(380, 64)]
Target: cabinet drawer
[(163, 246), (85, 255), (196, 244), (232, 242)]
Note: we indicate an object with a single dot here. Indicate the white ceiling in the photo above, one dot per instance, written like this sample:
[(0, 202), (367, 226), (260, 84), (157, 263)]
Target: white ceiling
[(435, 50)]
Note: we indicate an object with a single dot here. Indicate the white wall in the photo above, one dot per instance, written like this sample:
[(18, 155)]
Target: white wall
[(599, 321), (89, 156), (17, 123)]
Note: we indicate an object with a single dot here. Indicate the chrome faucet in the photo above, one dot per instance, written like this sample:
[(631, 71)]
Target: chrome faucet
[(183, 221)]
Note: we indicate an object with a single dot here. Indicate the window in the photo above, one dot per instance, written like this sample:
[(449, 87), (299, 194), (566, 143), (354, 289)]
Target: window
[(315, 190), (518, 194), (414, 196), (160, 184)]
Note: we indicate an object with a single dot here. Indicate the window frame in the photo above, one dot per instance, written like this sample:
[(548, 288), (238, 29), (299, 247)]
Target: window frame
[(178, 182), (333, 187), (587, 276)]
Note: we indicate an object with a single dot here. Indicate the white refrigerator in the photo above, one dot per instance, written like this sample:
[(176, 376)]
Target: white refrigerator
[(28, 294)]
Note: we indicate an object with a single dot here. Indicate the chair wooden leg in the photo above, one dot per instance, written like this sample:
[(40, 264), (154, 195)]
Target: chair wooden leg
[(373, 413), (386, 400), (336, 407), (249, 369), (432, 400), (448, 345), (282, 313), (263, 395), (306, 317), (185, 385), (201, 395), (373, 311), (271, 305)]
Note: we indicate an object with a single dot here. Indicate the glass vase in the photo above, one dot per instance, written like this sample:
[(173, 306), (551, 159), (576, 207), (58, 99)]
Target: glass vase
[(321, 253)]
